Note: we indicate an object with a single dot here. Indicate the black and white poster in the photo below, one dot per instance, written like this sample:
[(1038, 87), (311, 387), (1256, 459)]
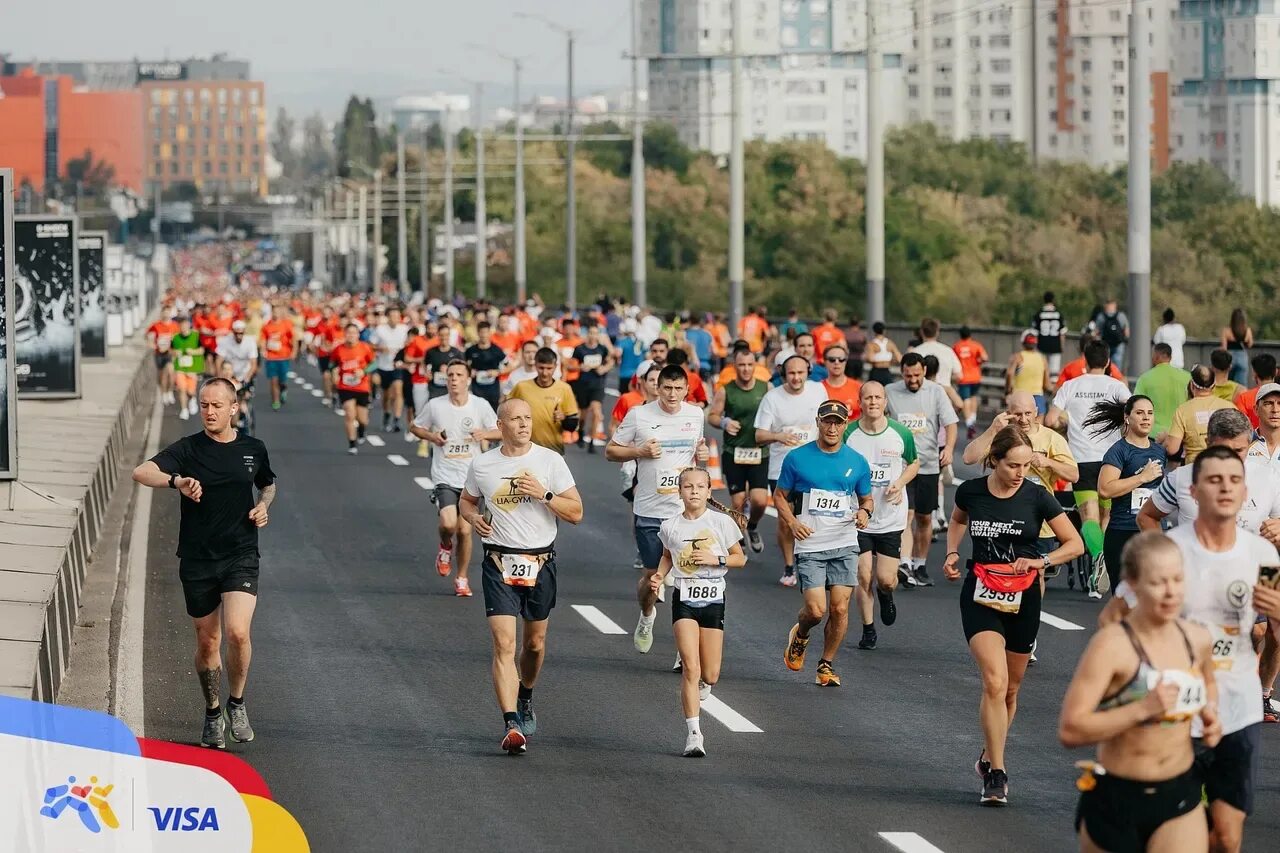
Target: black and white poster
[(46, 333), (8, 397), (93, 312)]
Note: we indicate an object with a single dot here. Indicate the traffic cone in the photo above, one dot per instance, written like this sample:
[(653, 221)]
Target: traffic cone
[(713, 464)]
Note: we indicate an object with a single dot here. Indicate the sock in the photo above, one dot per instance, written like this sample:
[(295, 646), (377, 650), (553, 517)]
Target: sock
[(360, 431), (752, 526), (351, 442), (916, 563), (524, 693), (821, 661), (971, 420), (788, 570), (510, 718), (1266, 694), (235, 701), (444, 547), (213, 712), (869, 628), (1091, 531), (692, 724)]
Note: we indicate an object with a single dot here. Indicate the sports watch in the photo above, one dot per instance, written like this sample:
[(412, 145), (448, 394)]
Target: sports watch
[(548, 496), (173, 481)]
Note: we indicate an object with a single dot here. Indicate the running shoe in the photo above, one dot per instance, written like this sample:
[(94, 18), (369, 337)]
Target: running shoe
[(528, 720), (637, 564), (1094, 594), (678, 666), (514, 741), (352, 451), (922, 577), (704, 690), (796, 648), (754, 540), (193, 406), (788, 579), (906, 580), (444, 561), (462, 588), (362, 440), (888, 610), (238, 716), (184, 415), (215, 732), (395, 427), (971, 432), (1099, 580), (410, 437), (982, 767), (1270, 714), (868, 641), (275, 407), (995, 789), (826, 676), (693, 747), (643, 637), (591, 448), (1033, 658)]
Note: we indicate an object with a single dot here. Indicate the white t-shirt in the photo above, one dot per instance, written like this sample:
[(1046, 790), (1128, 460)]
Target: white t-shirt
[(948, 361), (1173, 496), (888, 452), (1077, 398), (449, 463), (239, 354), (712, 531), (518, 521), (1175, 335), (657, 493), (391, 337), (782, 411)]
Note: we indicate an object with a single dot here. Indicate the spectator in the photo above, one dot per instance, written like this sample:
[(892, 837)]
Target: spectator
[(1237, 339), (882, 354), (1166, 385), (1113, 328), (855, 339), (1172, 333), (1051, 333)]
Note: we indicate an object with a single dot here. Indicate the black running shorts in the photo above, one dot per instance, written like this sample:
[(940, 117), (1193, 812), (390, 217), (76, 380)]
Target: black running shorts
[(530, 603), (204, 581), (1121, 815), (707, 616), (1018, 629)]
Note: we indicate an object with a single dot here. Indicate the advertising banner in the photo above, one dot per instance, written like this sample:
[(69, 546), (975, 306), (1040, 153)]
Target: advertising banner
[(8, 394), (46, 328), (93, 313)]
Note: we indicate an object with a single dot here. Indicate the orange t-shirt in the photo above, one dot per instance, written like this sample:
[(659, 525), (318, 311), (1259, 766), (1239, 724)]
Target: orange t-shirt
[(508, 342), (697, 389), (626, 403), (1072, 369), (824, 336), (727, 375), (277, 340), (1247, 402), (417, 347), (569, 367), (972, 356), (163, 332), (351, 362), (752, 329), (850, 393), (719, 339), (328, 334)]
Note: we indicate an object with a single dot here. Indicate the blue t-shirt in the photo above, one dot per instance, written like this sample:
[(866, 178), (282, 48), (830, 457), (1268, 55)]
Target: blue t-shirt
[(633, 352), (612, 323), (701, 340), (826, 486), (1130, 460)]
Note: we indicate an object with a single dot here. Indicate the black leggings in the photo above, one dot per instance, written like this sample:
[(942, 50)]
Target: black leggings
[(1113, 542)]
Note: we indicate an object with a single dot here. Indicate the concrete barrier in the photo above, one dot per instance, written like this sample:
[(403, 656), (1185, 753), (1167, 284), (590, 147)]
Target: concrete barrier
[(69, 458)]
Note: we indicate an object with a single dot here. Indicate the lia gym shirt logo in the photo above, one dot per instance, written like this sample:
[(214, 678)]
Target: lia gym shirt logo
[(508, 496), (703, 541)]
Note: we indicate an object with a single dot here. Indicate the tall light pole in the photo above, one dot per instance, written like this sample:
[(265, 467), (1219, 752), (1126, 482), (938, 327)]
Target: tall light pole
[(1140, 27), (424, 232), (448, 204), (875, 171), (482, 222), (362, 239), (639, 278), (349, 235), (402, 224), (376, 280), (737, 214)]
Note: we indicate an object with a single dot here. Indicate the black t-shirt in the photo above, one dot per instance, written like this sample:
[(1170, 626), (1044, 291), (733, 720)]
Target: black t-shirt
[(582, 353), (218, 526), (485, 358), (1048, 326), (437, 358), (1003, 529)]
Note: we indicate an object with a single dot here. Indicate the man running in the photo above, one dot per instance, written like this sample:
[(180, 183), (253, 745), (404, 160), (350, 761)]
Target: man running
[(745, 463), (388, 339), (216, 471), (526, 489), (486, 360), (890, 450), (555, 410), (972, 356), (818, 487), (457, 425), (188, 366), (352, 362), (663, 437), (924, 409), (241, 353), (276, 343), (595, 360), (525, 369), (160, 336)]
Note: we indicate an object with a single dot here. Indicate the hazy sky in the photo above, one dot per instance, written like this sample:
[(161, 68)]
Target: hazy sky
[(313, 53)]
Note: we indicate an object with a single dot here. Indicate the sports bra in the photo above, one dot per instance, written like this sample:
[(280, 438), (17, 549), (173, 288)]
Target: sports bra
[(1191, 687), (883, 354)]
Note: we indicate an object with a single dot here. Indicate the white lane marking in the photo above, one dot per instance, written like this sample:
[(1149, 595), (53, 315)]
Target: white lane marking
[(298, 380), (293, 375), (375, 440), (771, 511), (598, 620), (1057, 622), (397, 459), (316, 392), (424, 483), (612, 392), (909, 842), (733, 721), (307, 386)]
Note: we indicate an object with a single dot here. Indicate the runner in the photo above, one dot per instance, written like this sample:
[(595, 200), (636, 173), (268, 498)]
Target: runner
[(188, 355), (923, 408), (1051, 333), (1166, 385), (327, 336), (1143, 793), (1028, 371), (837, 383), (1191, 419), (525, 369), (241, 354), (414, 357), (882, 354), (699, 546), (435, 362), (744, 463), (353, 360), (277, 344), (458, 425), (786, 418), (527, 490), (815, 501), (595, 359), (555, 411), (1078, 367), (1223, 387), (663, 437), (216, 471), (160, 336), (1266, 451), (972, 356), (1000, 599), (949, 366), (487, 362), (388, 338), (828, 334), (890, 450)]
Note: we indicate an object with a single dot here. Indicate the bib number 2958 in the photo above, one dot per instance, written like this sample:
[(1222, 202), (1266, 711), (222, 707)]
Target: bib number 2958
[(1007, 602)]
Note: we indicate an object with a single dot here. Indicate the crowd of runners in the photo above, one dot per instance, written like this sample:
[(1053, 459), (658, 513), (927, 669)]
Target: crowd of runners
[(1164, 500)]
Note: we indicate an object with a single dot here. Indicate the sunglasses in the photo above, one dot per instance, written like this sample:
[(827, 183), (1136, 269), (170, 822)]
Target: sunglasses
[(836, 360)]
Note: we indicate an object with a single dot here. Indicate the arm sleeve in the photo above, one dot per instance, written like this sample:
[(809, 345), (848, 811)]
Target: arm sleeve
[(908, 442), (946, 415), (1060, 398), (764, 414), (423, 418), (265, 476), (1177, 429), (173, 459), (962, 497), (1115, 456), (1165, 497), (1047, 506), (488, 417)]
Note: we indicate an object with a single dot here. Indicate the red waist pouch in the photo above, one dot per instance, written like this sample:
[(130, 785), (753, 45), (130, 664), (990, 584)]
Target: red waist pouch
[(1000, 577)]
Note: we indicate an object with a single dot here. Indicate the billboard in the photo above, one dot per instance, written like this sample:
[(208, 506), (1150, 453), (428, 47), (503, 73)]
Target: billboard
[(45, 330), (93, 312), (8, 393)]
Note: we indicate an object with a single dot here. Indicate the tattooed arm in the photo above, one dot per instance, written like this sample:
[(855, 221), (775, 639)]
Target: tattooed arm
[(258, 515)]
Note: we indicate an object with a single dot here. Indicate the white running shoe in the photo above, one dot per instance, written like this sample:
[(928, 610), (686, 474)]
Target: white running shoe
[(788, 580), (693, 747), (643, 636), (184, 415), (193, 406), (704, 690), (678, 666)]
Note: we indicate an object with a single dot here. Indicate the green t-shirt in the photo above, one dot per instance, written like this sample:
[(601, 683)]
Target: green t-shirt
[(188, 355), (741, 406), (1166, 385)]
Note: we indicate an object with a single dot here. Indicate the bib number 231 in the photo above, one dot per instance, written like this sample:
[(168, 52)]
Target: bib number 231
[(520, 569)]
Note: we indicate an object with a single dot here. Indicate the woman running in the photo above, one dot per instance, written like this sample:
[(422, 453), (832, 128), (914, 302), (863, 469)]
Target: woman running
[(881, 354), (700, 546), (1132, 469), (1000, 598), (1237, 339), (1136, 692)]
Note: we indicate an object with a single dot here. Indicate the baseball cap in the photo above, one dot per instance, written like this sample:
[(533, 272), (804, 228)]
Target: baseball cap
[(1267, 390), (833, 409), (238, 326), (1030, 336)]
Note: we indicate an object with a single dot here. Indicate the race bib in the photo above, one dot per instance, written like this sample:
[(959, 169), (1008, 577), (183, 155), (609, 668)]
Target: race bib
[(591, 362), (805, 435), (186, 360), (351, 380), (457, 450), (274, 344), (486, 377), (1138, 497), (439, 378), (1191, 693), (697, 592), (1202, 419), (917, 423), (828, 504), (748, 455), (520, 569), (1006, 602), (1226, 642), (669, 481), (880, 474), (162, 342)]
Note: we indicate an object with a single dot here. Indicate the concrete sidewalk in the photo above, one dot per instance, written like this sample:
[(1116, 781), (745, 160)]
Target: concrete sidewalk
[(69, 452)]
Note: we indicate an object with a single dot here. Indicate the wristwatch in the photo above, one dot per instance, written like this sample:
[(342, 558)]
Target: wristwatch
[(173, 481), (548, 496), (1047, 565), (722, 561)]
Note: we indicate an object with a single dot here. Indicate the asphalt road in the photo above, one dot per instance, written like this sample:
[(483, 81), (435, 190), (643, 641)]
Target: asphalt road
[(376, 723)]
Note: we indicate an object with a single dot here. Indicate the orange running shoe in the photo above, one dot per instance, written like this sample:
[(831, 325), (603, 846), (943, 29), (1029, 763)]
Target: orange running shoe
[(826, 676), (514, 741), (462, 588), (444, 562), (796, 647)]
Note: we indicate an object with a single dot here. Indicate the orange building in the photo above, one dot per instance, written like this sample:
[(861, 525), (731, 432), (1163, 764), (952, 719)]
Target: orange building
[(211, 133)]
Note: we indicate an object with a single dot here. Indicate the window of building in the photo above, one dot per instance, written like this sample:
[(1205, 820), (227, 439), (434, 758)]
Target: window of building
[(255, 150), (1001, 65), (205, 96), (173, 167), (790, 37), (1086, 115), (851, 84), (1086, 66), (806, 112), (239, 132), (806, 87), (235, 96), (817, 38), (1114, 15), (253, 96), (999, 41), (1118, 140), (190, 150), (157, 169), (155, 96), (1117, 65), (1118, 91), (155, 133), (975, 42), (206, 114), (222, 168), (188, 96), (942, 91), (818, 8), (1001, 90), (222, 96), (207, 168), (941, 43), (240, 149), (187, 168), (155, 151), (224, 149)]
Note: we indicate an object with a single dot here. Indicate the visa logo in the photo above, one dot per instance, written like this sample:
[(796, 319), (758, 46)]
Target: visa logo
[(184, 819)]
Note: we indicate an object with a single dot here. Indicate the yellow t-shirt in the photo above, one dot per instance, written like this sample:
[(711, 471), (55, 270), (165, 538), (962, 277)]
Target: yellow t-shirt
[(1191, 423), (1029, 374), (1054, 446), (543, 401), (1226, 390)]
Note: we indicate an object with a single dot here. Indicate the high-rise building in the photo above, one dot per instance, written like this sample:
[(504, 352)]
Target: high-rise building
[(804, 68)]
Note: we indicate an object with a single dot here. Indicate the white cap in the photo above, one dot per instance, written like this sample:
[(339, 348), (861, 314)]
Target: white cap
[(238, 326), (643, 367), (1267, 390)]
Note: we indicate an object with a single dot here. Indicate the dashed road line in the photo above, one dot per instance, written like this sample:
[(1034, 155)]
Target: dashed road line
[(612, 392), (397, 459), (598, 620), (376, 440), (316, 392), (1059, 623), (732, 720), (424, 483), (909, 842)]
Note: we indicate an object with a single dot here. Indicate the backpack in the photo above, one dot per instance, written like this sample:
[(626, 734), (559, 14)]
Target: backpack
[(1111, 329)]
